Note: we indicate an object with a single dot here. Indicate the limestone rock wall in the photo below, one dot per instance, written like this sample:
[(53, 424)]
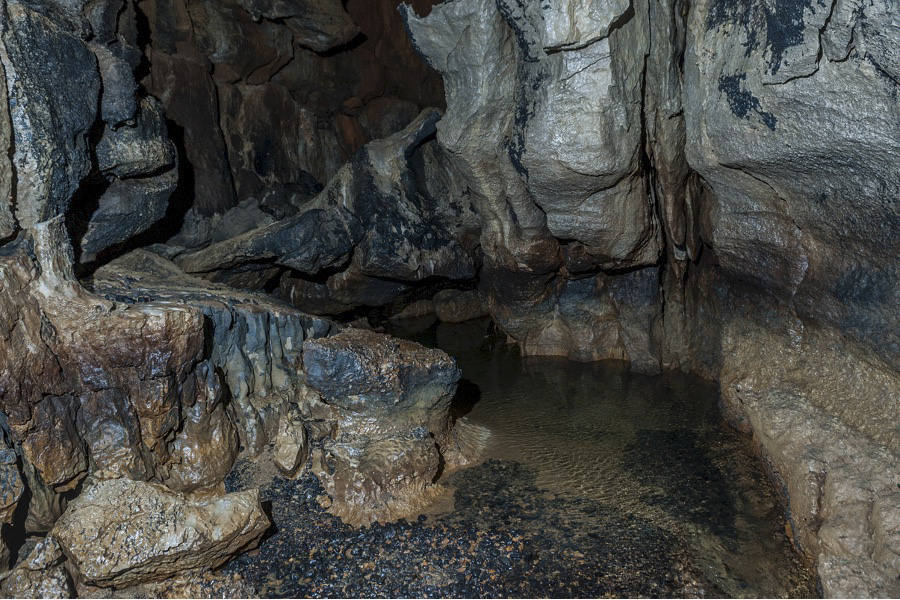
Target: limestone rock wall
[(130, 390), (703, 185)]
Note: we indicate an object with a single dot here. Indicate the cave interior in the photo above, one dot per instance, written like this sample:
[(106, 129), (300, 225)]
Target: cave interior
[(257, 244)]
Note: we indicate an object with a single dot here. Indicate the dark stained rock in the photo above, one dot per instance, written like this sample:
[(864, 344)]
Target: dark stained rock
[(183, 84), (314, 240), (363, 211), (318, 24), (118, 100), (53, 88), (141, 150), (392, 400), (368, 371), (127, 208), (456, 306)]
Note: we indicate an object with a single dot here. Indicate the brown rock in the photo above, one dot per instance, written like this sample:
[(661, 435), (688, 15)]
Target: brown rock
[(291, 446), (391, 398), (40, 575), (121, 532)]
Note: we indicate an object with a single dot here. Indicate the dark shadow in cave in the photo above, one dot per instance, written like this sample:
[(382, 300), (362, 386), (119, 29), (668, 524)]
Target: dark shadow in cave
[(464, 400)]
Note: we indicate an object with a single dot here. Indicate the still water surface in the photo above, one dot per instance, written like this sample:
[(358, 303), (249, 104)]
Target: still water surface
[(617, 468)]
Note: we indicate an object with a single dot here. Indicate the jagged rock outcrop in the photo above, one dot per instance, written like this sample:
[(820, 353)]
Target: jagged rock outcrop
[(391, 403), (555, 174), (121, 532), (272, 93), (369, 226)]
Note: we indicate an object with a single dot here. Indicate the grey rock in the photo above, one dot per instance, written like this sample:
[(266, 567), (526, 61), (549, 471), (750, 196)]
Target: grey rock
[(799, 146), (121, 532), (363, 369), (7, 218), (11, 484), (118, 100), (127, 208), (141, 150), (53, 85)]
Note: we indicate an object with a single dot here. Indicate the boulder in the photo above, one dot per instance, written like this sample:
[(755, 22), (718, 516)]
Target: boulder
[(390, 399), (367, 224), (121, 532), (40, 575)]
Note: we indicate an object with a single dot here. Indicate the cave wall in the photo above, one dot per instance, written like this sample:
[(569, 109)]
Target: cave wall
[(276, 96), (704, 185)]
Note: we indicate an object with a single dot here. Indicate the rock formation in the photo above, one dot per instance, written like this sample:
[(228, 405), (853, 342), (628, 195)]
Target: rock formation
[(196, 196), (120, 532), (390, 399)]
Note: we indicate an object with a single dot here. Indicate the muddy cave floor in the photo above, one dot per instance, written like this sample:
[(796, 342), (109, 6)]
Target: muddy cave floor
[(595, 482)]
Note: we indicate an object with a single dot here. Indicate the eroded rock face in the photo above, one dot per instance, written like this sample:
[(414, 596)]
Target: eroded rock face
[(369, 224), (544, 125), (391, 401), (121, 532), (108, 394), (708, 186), (270, 93), (256, 345), (792, 119)]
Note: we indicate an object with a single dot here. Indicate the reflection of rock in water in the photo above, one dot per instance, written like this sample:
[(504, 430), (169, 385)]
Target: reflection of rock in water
[(686, 482)]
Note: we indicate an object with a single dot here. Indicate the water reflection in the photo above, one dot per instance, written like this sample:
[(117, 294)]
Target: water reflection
[(617, 466)]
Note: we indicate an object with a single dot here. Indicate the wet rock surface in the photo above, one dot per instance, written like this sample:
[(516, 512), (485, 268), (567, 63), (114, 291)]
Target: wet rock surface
[(663, 500), (121, 532), (391, 402), (705, 186)]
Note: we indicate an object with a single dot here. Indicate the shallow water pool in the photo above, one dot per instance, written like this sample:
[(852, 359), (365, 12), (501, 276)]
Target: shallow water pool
[(594, 482)]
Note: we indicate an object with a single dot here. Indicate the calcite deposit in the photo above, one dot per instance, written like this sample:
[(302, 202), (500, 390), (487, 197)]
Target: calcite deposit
[(198, 196)]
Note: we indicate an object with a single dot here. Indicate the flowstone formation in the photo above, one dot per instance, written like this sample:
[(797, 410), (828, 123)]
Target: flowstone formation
[(197, 197), (128, 388)]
